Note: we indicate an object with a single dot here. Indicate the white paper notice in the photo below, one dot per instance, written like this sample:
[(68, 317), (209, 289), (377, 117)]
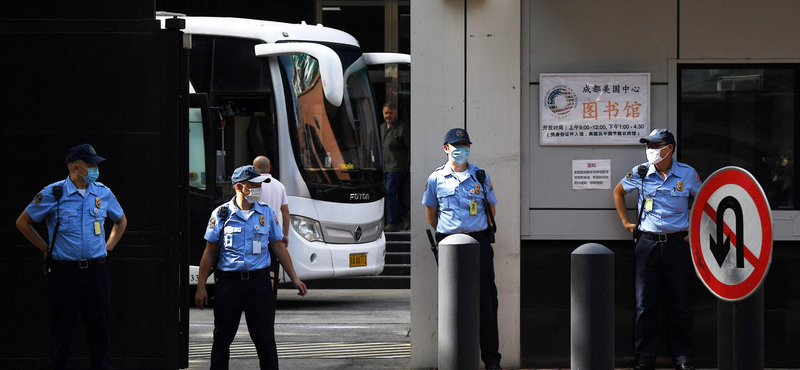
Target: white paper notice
[(591, 174)]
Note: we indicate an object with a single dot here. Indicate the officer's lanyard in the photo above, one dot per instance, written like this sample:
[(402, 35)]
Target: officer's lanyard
[(256, 239)]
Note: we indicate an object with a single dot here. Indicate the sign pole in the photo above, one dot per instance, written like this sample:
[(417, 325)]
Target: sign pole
[(731, 241), (741, 333)]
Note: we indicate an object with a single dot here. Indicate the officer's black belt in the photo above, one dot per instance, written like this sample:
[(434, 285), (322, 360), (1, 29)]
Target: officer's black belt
[(81, 264), (474, 234), (663, 238), (244, 275)]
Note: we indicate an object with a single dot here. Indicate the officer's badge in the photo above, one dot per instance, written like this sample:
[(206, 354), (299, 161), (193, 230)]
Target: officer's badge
[(212, 222), (91, 150), (629, 175), (261, 220), (275, 217), (491, 187), (460, 133), (38, 198), (680, 185), (426, 187), (477, 189), (97, 202)]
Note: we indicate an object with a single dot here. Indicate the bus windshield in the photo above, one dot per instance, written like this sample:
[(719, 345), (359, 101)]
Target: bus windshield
[(335, 147)]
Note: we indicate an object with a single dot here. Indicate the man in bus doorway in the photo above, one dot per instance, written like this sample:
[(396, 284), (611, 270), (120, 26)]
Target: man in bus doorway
[(662, 250), (244, 226), (458, 198), (75, 210), (396, 145), (274, 194)]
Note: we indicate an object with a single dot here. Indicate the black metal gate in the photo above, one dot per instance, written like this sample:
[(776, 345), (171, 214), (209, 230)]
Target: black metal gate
[(121, 86)]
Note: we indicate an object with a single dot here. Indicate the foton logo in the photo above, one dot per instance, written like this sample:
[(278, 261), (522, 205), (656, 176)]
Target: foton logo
[(359, 196)]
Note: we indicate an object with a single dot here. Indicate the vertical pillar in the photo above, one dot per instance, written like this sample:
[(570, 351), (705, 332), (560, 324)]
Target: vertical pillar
[(592, 308), (459, 289)]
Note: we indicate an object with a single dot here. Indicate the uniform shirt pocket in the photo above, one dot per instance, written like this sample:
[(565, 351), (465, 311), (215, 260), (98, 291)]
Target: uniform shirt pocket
[(262, 233), (680, 200), (68, 218), (446, 196), (100, 215)]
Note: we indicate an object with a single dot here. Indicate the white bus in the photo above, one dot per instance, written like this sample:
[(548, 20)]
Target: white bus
[(300, 95)]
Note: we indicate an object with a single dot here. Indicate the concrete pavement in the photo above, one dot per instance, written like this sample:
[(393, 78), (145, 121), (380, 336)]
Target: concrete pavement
[(311, 331)]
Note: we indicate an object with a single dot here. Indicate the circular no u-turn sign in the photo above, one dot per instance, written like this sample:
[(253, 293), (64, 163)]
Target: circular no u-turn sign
[(731, 234)]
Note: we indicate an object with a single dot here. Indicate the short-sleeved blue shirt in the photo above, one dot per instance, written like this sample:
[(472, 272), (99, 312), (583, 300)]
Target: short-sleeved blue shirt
[(453, 197), (239, 232), (76, 239), (670, 196)]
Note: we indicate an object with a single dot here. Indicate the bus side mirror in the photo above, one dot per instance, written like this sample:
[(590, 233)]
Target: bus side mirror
[(330, 66), (386, 58)]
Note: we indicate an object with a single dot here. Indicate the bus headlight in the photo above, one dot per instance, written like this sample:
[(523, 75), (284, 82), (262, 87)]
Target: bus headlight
[(309, 229)]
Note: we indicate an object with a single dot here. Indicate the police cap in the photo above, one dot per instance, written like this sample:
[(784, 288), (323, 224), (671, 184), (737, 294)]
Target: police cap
[(85, 152), (247, 173), (658, 135), (455, 135)]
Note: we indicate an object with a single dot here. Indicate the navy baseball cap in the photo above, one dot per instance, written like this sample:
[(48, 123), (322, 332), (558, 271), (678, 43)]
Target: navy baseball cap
[(455, 135), (85, 152), (658, 135), (247, 173)]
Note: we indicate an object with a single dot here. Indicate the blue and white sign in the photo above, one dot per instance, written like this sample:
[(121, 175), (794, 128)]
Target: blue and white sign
[(593, 109)]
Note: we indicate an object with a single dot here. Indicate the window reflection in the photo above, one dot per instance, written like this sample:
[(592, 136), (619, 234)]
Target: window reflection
[(741, 115)]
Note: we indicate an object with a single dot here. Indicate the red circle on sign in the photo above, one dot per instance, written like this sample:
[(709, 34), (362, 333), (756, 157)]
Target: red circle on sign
[(736, 176)]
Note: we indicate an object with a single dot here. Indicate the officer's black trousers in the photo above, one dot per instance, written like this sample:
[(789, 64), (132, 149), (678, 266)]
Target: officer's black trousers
[(490, 343), (669, 265), (75, 292), (232, 296)]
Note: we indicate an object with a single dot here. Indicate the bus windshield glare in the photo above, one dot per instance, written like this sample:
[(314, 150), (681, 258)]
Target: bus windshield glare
[(335, 147)]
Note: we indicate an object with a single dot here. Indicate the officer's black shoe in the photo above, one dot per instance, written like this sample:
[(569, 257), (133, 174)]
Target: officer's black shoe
[(643, 366), (684, 366), (494, 367)]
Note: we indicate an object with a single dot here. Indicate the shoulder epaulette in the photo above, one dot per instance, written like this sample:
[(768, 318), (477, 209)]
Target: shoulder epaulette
[(438, 168)]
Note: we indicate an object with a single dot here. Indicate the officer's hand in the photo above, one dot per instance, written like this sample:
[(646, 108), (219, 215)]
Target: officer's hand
[(630, 227), (301, 288), (201, 297), (285, 241), (686, 238)]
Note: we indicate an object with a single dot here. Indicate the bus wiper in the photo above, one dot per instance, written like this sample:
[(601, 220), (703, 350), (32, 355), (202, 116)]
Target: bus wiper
[(334, 187)]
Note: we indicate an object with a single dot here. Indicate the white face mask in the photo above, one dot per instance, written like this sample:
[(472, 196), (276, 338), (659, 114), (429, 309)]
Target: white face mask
[(654, 155), (255, 195)]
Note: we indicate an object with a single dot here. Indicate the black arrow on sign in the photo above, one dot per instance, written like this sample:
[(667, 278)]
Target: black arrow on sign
[(719, 248)]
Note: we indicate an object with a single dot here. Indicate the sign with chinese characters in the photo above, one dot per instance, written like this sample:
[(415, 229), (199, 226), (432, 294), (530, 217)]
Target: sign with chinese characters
[(591, 174), (593, 109)]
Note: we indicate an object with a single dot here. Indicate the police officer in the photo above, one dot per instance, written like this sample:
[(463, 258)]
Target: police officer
[(245, 225), (78, 279), (454, 200), (662, 250)]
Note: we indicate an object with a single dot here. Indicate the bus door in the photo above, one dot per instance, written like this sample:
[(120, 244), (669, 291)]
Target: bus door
[(202, 174), (250, 130)]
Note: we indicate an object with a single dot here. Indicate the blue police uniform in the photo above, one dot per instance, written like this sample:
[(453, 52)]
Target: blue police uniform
[(663, 257), (454, 197), (79, 280), (242, 280)]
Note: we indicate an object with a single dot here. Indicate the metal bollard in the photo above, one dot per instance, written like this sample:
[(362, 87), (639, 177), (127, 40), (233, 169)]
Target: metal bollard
[(592, 315), (459, 295)]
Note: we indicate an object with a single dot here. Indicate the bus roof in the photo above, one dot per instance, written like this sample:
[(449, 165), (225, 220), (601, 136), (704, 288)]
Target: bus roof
[(267, 31)]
